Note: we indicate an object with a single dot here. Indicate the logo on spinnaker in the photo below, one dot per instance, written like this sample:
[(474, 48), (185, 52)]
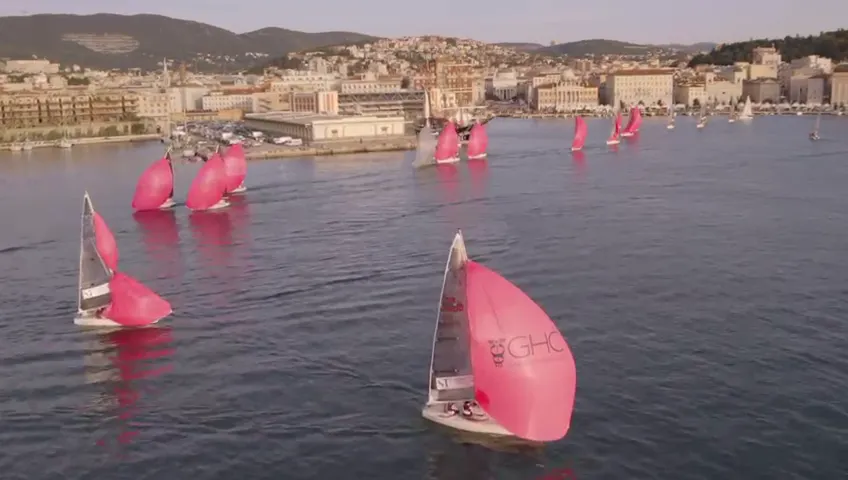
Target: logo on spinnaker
[(496, 347)]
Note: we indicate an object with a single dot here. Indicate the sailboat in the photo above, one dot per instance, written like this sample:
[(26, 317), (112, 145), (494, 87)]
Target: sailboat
[(94, 293), (616, 131), (65, 142), (27, 146), (209, 186), (478, 142), (670, 125), (633, 123), (702, 120), (747, 110), (107, 297), (235, 165), (733, 111), (814, 135), (499, 365), (426, 147), (447, 147), (155, 187), (580, 131)]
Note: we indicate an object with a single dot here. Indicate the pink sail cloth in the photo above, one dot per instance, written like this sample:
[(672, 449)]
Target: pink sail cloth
[(478, 142), (635, 121), (447, 146), (105, 242), (209, 186), (155, 186), (235, 166), (133, 304), (580, 131), (524, 373), (616, 131)]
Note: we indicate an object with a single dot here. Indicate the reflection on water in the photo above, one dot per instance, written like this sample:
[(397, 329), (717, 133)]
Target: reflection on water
[(479, 171), (239, 213), (578, 159), (161, 237), (212, 232), (633, 141), (449, 179), (459, 462), (123, 361)]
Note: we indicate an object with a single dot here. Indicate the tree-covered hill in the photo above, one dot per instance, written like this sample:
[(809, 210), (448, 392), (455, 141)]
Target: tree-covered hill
[(833, 45)]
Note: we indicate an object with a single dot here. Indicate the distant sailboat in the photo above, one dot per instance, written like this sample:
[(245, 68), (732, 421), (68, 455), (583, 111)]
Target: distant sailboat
[(616, 131), (747, 110), (499, 365), (580, 131), (155, 187), (478, 142), (209, 186), (107, 297), (633, 123), (426, 147), (235, 165), (814, 135), (670, 124), (447, 147), (702, 119), (734, 109)]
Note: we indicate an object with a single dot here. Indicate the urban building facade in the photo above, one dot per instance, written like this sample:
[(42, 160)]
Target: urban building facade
[(648, 87)]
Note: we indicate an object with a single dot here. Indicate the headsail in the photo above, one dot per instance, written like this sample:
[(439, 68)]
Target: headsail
[(450, 366), (209, 186), (235, 166), (478, 142), (447, 147), (94, 292), (133, 304), (426, 149), (580, 131), (155, 185), (524, 373), (107, 247), (747, 110)]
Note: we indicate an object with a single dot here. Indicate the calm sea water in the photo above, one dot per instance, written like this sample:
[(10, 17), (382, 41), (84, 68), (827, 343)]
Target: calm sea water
[(700, 278)]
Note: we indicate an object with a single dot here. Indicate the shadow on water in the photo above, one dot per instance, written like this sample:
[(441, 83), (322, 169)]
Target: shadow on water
[(123, 362)]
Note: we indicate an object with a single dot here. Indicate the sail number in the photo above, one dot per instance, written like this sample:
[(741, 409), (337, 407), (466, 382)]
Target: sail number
[(452, 383), (97, 291)]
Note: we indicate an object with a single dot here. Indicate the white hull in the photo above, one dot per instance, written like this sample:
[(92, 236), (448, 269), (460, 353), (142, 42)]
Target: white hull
[(241, 188), (27, 147), (448, 160), (701, 125), (669, 127), (731, 120), (17, 148), (167, 204), (478, 157), (90, 320), (435, 412), (627, 134), (576, 149), (613, 142)]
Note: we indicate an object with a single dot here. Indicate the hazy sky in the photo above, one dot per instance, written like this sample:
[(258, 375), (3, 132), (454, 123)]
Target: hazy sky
[(541, 21)]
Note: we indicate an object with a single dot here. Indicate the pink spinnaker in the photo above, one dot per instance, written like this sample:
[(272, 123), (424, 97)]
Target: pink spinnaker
[(524, 373), (155, 186), (634, 122), (208, 186), (478, 142), (235, 166), (616, 129), (133, 304), (105, 242), (580, 131), (447, 147)]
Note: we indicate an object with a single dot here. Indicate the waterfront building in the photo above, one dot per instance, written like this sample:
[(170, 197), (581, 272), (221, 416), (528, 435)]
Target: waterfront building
[(326, 128), (807, 89), (645, 86), (839, 85), (762, 90), (66, 107), (406, 103), (690, 94), (564, 97), (503, 85), (370, 83)]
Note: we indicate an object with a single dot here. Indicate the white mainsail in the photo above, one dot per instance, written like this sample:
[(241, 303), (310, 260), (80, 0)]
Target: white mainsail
[(94, 275), (747, 110), (425, 152), (451, 379)]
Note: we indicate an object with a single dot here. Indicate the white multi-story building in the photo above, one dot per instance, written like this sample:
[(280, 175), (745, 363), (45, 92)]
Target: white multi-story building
[(296, 80), (216, 101), (502, 85), (805, 89), (647, 86)]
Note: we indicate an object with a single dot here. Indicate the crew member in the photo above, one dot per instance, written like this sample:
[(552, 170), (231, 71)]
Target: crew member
[(466, 410)]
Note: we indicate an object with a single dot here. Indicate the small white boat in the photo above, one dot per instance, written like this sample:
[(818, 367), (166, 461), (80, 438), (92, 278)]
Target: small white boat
[(671, 116), (747, 110), (814, 135), (241, 188), (17, 147), (94, 293), (65, 143), (27, 146)]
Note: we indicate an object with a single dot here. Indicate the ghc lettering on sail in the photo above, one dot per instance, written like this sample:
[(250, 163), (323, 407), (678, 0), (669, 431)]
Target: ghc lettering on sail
[(524, 346)]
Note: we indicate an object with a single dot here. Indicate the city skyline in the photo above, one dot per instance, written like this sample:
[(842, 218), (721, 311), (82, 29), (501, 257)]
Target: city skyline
[(721, 22)]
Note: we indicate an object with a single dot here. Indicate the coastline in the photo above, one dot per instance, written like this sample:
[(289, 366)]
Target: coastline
[(86, 141), (331, 149)]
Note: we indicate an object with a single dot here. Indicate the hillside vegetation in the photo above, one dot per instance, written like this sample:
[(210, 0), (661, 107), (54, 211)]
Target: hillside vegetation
[(124, 41), (833, 45)]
